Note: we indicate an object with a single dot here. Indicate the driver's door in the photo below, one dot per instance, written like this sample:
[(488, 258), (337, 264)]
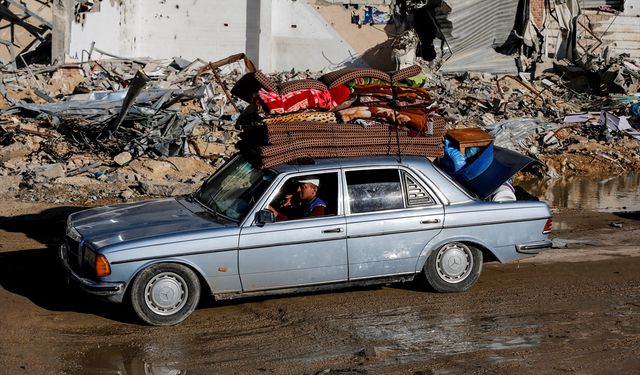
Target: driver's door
[(297, 252)]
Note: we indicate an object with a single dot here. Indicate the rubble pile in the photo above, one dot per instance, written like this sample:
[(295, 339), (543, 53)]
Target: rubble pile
[(122, 127), (115, 126), (572, 132)]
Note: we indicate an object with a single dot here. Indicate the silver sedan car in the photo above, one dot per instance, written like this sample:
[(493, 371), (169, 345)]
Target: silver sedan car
[(294, 228)]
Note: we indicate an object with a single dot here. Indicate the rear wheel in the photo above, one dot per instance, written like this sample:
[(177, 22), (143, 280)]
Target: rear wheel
[(165, 294), (454, 267)]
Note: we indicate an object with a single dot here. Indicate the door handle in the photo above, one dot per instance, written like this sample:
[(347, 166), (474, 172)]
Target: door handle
[(335, 230), (430, 221)]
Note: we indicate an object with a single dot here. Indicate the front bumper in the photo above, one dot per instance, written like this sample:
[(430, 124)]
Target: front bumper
[(113, 291), (533, 247)]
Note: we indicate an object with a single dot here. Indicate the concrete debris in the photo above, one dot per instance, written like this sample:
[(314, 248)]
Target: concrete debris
[(104, 116), (127, 128), (122, 158)]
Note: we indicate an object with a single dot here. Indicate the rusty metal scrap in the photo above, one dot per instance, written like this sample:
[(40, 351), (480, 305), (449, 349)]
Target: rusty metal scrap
[(137, 84), (144, 118)]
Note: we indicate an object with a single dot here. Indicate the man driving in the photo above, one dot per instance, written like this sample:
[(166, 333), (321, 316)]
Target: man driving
[(307, 204)]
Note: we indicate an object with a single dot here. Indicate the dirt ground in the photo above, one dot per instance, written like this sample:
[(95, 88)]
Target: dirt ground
[(569, 310)]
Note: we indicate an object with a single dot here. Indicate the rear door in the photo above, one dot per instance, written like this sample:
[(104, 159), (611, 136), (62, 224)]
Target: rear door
[(390, 216)]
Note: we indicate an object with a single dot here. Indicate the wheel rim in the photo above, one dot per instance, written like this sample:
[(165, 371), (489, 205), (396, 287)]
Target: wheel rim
[(454, 263), (166, 293)]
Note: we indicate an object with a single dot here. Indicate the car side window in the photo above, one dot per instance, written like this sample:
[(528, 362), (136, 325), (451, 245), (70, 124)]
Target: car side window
[(415, 194), (306, 196), (374, 190)]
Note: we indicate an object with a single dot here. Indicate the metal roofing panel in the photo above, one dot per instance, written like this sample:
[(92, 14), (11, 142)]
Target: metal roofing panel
[(472, 29)]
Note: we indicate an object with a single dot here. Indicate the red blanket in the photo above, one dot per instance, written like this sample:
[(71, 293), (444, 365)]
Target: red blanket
[(303, 99)]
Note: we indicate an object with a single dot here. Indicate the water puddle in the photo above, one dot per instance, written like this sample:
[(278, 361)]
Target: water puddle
[(407, 335), (403, 335), (613, 194), (126, 360)]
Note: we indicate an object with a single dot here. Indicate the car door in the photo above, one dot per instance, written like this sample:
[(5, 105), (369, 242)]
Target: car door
[(297, 252), (391, 216)]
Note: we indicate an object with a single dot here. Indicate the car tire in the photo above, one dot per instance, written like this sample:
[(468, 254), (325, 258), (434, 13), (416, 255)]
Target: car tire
[(165, 294), (454, 267)]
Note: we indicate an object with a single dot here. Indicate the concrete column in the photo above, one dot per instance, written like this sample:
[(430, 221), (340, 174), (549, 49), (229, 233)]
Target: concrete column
[(61, 34), (264, 49), (252, 39)]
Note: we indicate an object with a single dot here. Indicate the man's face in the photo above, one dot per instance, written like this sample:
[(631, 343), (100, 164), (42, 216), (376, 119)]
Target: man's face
[(306, 191)]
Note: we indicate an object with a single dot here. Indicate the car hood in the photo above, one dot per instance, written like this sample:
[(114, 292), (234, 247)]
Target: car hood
[(103, 226)]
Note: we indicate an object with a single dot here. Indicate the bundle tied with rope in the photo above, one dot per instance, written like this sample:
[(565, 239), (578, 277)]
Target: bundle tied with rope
[(346, 113)]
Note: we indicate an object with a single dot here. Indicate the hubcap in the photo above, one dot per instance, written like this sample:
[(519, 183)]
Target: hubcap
[(166, 293), (454, 263)]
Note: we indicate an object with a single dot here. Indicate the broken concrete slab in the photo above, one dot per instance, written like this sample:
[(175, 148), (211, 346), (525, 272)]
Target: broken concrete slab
[(148, 169), (77, 181), (18, 149), (190, 166), (206, 149), (165, 188), (127, 194), (48, 171), (9, 185), (122, 158)]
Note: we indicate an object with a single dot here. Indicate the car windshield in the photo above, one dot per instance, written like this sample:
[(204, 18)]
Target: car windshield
[(234, 189)]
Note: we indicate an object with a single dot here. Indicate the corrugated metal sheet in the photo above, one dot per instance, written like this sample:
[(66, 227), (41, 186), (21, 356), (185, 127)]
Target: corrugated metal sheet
[(472, 29)]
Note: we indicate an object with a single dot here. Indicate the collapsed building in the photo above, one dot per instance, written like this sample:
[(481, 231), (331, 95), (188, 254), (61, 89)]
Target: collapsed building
[(326, 35), (80, 107), (518, 36)]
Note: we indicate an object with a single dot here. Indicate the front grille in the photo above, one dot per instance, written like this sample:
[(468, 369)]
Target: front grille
[(74, 255)]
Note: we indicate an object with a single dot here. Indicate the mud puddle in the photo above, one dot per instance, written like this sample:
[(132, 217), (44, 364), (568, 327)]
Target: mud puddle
[(391, 337), (612, 194), (128, 360), (408, 335)]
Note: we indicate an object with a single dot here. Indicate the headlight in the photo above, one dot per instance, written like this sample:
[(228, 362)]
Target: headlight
[(89, 256)]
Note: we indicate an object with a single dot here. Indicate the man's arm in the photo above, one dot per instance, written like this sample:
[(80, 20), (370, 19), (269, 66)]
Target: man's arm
[(279, 216)]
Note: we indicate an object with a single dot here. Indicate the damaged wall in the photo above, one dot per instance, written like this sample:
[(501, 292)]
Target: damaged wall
[(112, 27), (164, 29), (277, 34), (301, 38), (371, 43)]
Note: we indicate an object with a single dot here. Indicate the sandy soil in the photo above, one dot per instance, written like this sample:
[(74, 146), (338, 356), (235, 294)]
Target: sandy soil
[(569, 310)]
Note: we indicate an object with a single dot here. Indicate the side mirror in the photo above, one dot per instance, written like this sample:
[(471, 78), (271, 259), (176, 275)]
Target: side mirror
[(265, 216)]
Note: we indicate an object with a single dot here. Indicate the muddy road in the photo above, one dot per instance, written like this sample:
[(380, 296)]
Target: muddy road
[(570, 310)]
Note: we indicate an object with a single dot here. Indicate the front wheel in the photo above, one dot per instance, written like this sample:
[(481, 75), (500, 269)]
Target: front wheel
[(165, 294), (454, 267)]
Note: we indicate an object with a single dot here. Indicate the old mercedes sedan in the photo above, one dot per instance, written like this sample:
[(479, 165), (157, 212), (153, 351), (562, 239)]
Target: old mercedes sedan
[(327, 224)]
